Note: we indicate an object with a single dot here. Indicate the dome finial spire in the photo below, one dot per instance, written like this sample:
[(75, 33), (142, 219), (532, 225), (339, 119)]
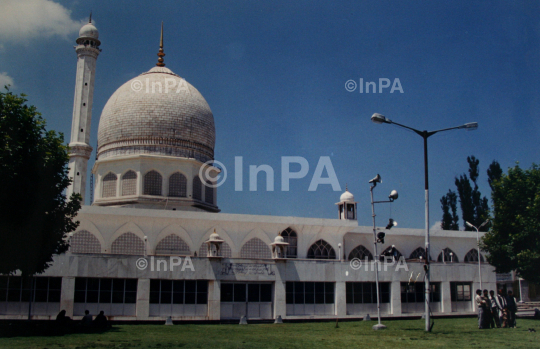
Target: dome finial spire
[(161, 54), (90, 18)]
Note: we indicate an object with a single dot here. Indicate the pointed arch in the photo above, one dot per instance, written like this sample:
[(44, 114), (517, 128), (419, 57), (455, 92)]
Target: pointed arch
[(361, 253), (128, 243), (391, 251), (472, 256), (153, 182), (419, 252), (84, 241), (108, 189), (321, 250), (197, 188), (128, 183), (178, 185), (291, 237), (447, 256), (255, 249), (173, 245)]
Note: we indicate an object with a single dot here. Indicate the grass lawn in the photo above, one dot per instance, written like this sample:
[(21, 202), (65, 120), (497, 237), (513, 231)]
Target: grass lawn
[(447, 333)]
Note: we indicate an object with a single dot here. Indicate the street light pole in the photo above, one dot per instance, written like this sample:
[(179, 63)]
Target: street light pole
[(381, 119), (392, 197), (478, 247)]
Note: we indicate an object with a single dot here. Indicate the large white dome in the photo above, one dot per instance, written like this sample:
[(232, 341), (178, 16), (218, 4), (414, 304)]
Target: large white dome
[(157, 112)]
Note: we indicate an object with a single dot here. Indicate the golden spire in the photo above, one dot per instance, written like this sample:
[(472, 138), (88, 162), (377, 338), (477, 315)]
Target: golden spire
[(160, 53)]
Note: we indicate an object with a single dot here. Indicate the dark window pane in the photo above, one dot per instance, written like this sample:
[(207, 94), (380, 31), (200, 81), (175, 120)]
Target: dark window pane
[(41, 283), (80, 297), (191, 286), (329, 298), (92, 284), (25, 295), (40, 295), (166, 297), (329, 287), (3, 295), (319, 298), (309, 298), (105, 285), (178, 286), (299, 287), (118, 296), (118, 285), (130, 297), (3, 282), (190, 298), (54, 296), (154, 297), (131, 285), (202, 286), (266, 292), (178, 298), (105, 296), (92, 296), (298, 297), (80, 284), (289, 298), (166, 285), (289, 287), (55, 283), (226, 292), (14, 294), (319, 287), (309, 287), (239, 292), (253, 293), (202, 298), (154, 285)]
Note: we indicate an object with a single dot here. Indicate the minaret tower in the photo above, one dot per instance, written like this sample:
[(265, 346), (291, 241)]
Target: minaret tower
[(87, 52)]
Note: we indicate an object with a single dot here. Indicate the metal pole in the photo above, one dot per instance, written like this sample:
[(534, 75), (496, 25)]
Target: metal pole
[(376, 256), (425, 135), (479, 256)]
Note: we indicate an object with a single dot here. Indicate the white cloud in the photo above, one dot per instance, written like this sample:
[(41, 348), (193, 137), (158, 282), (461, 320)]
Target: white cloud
[(5, 79), (22, 20), (436, 226)]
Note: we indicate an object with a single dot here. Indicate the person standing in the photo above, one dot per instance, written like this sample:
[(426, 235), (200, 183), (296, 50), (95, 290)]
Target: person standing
[(512, 309), (481, 305), (490, 323), (494, 308), (503, 306)]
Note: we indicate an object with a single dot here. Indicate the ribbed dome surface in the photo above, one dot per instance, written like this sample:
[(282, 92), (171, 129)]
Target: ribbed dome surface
[(157, 112), (347, 197)]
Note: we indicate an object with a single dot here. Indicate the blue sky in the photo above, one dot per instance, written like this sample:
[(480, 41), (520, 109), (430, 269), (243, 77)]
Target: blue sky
[(274, 76)]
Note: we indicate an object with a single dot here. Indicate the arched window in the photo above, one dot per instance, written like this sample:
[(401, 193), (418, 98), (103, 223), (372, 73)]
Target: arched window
[(209, 193), (225, 250), (290, 236), (255, 249), (197, 188), (178, 185), (109, 185), (128, 243), (321, 250), (448, 256), (472, 256), (173, 245), (360, 252), (152, 183), (84, 242), (129, 183), (419, 252), (391, 251)]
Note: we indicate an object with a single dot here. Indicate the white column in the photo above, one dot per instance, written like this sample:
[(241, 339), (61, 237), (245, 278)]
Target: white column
[(446, 299), (214, 300), (143, 299), (341, 299), (395, 294), (67, 295), (280, 305)]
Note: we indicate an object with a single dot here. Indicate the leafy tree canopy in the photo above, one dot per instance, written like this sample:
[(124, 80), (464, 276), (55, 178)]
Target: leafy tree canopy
[(34, 213), (513, 242)]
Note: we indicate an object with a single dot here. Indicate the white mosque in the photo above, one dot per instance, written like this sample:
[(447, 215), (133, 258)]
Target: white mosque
[(153, 243)]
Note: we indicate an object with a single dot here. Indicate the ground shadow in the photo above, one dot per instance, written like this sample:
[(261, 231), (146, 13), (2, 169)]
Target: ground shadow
[(47, 329)]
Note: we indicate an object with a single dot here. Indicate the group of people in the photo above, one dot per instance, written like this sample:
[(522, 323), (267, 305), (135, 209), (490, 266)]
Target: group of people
[(496, 310), (100, 322)]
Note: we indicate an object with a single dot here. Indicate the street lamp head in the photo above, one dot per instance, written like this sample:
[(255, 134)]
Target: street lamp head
[(483, 224), (469, 225), (393, 195), (380, 119), (471, 126), (376, 180)]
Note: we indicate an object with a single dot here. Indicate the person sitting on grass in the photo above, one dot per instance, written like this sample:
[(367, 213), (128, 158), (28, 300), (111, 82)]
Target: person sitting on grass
[(87, 319), (62, 320), (101, 321)]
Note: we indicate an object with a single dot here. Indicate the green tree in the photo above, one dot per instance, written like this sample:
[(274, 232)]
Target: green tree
[(494, 173), (474, 207), (34, 213), (513, 242), (450, 219)]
